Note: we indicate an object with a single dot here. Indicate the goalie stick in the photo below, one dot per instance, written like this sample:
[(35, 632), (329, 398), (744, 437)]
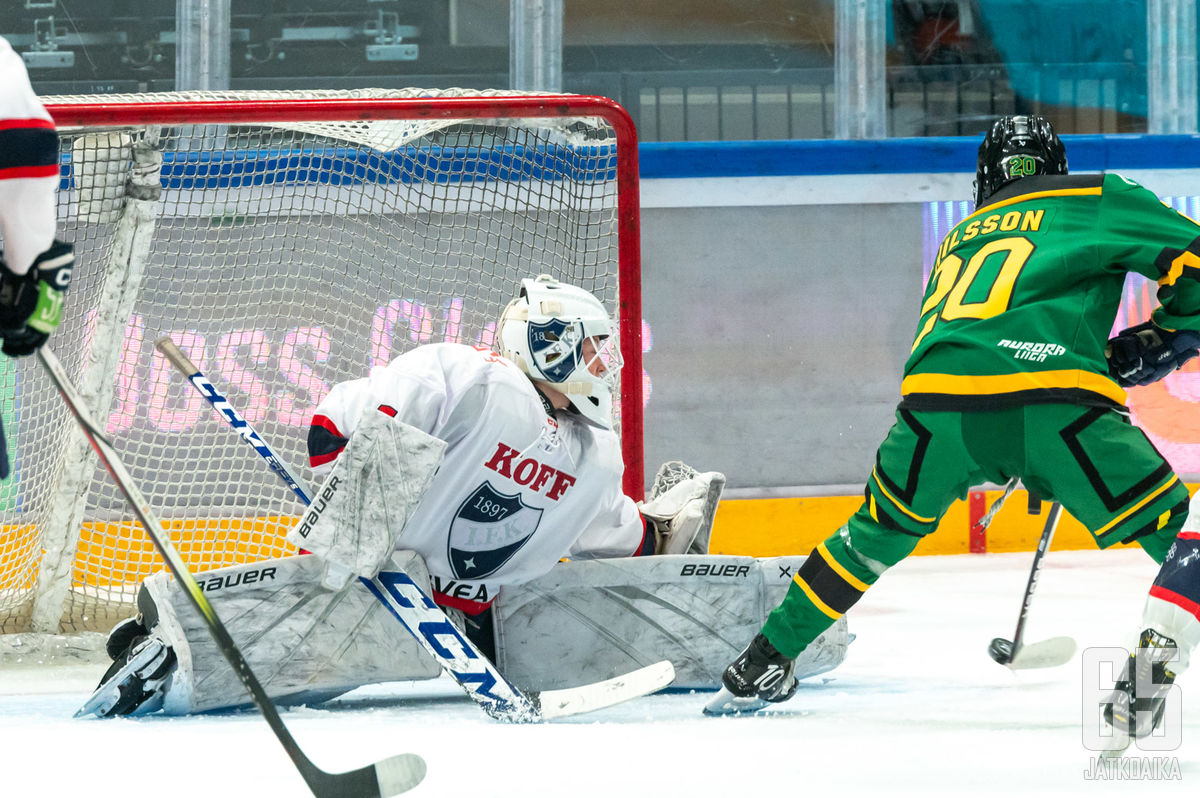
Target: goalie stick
[(1046, 653), (232, 417), (426, 622), (390, 776)]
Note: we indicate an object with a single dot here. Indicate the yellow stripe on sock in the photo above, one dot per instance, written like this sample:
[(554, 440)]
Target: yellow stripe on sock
[(850, 578), (821, 605)]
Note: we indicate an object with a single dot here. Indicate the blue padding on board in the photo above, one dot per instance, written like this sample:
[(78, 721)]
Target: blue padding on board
[(343, 166), (353, 165), (892, 156)]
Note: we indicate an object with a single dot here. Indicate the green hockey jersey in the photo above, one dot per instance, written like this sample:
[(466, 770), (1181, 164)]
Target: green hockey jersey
[(1025, 290)]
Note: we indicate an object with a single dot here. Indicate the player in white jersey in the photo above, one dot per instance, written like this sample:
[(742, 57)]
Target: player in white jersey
[(531, 473), (35, 269)]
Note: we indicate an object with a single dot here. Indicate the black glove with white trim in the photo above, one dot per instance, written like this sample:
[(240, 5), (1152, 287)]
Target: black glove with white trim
[(31, 304), (1146, 353)]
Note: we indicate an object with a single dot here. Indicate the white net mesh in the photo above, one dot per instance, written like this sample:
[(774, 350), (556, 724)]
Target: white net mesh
[(282, 259), (670, 474)]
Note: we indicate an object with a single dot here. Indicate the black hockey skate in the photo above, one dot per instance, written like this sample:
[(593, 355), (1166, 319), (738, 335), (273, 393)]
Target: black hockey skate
[(135, 683), (123, 637), (1139, 713), (759, 676)]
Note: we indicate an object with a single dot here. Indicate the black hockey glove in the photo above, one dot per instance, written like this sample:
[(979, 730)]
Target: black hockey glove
[(31, 304), (1146, 353)]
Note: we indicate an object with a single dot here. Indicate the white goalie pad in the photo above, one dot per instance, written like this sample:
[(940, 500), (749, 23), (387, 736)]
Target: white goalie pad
[(304, 643), (593, 619), (358, 514)]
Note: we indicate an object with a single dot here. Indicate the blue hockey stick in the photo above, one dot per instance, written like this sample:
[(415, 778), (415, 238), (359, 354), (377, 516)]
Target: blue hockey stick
[(426, 622)]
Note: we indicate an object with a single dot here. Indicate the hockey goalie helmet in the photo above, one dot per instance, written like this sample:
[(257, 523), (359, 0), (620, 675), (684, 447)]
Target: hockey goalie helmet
[(1016, 147), (562, 335)]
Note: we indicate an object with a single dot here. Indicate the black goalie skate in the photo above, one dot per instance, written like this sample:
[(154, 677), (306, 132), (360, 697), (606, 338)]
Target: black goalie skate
[(759, 676), (1136, 712), (136, 681)]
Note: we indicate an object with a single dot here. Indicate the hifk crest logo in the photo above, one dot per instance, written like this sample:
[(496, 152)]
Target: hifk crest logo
[(488, 529), (555, 346)]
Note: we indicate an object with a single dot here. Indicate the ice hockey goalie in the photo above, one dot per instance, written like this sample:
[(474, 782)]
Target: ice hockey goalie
[(476, 474)]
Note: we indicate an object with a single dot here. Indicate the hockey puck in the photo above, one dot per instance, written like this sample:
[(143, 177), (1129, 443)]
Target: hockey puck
[(1001, 650)]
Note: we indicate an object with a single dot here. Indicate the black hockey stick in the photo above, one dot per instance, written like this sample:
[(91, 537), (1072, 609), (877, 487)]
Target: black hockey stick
[(390, 776), (1046, 653)]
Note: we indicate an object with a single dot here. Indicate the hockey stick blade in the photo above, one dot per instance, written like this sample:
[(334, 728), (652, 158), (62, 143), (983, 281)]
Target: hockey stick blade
[(392, 776), (388, 777), (599, 695), (1044, 654)]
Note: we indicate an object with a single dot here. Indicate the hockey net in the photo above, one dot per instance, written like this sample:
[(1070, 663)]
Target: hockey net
[(286, 241)]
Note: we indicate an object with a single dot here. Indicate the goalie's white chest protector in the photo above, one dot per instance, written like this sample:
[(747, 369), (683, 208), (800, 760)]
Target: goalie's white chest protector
[(516, 491)]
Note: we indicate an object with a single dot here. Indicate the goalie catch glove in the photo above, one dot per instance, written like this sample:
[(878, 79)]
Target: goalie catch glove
[(1146, 353), (31, 304), (681, 516)]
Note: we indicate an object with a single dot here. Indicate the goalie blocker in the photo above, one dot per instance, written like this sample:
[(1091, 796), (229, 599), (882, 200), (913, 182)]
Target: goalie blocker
[(585, 621)]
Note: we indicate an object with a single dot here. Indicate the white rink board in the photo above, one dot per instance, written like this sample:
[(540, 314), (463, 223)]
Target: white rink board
[(918, 708)]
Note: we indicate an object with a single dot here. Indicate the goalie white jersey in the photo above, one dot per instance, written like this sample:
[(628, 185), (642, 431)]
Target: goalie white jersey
[(518, 489)]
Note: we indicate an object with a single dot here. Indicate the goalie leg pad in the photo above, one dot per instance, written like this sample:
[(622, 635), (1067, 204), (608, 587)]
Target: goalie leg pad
[(589, 620), (304, 642)]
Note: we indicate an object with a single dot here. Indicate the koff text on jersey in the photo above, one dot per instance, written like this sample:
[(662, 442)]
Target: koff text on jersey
[(527, 471)]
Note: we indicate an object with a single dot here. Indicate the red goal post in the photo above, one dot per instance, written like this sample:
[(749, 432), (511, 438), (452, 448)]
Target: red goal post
[(252, 225)]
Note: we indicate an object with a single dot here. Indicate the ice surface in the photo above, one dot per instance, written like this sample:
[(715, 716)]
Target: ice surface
[(918, 708)]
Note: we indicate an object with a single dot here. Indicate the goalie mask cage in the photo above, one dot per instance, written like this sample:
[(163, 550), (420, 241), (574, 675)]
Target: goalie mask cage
[(286, 241)]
